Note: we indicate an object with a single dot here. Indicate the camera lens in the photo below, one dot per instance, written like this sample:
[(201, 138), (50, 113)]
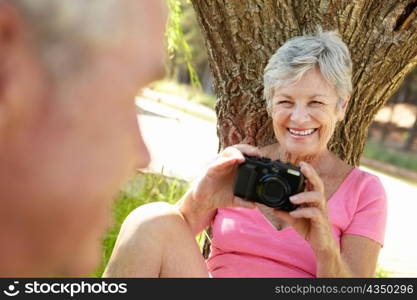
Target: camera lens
[(272, 190)]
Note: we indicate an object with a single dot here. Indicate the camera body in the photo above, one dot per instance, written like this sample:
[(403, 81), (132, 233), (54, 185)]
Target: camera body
[(268, 182)]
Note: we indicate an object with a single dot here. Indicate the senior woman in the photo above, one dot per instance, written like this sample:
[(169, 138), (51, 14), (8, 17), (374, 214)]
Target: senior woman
[(337, 229)]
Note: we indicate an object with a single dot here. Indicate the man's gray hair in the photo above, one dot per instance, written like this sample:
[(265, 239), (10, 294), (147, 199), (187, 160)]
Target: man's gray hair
[(324, 50), (63, 29)]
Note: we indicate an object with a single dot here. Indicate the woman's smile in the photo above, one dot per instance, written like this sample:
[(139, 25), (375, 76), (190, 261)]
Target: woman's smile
[(300, 134)]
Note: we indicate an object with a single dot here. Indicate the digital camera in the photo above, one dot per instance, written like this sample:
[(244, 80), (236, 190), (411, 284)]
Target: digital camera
[(268, 182)]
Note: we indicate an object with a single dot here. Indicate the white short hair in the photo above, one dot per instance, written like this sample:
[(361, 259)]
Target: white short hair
[(324, 50), (64, 31)]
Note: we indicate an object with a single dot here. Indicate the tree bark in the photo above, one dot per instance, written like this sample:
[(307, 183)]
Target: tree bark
[(240, 36)]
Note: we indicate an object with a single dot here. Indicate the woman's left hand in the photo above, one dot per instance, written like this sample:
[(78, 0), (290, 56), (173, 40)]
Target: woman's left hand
[(310, 219)]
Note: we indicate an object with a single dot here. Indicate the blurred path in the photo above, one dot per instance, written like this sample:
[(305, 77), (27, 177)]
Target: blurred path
[(181, 145), (399, 254)]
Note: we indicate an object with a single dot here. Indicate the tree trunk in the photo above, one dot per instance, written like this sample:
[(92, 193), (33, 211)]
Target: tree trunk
[(240, 37), (387, 126), (412, 133)]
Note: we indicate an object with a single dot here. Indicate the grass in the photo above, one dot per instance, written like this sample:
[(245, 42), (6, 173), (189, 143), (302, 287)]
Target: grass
[(395, 157), (381, 273), (139, 190)]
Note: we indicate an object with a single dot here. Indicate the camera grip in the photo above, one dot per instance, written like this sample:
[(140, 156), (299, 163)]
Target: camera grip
[(245, 181)]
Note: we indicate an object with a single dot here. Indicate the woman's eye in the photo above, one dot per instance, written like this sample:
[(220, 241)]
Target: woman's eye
[(316, 103), (284, 102)]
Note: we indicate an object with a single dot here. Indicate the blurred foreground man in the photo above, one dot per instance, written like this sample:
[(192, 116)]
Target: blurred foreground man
[(69, 137)]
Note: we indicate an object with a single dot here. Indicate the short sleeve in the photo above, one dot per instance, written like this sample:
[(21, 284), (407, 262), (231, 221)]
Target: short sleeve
[(369, 219)]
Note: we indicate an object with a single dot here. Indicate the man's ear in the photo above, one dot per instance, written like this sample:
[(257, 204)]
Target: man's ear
[(10, 32), (11, 40)]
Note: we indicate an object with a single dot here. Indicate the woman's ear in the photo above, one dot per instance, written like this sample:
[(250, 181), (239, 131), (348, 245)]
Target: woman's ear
[(343, 108)]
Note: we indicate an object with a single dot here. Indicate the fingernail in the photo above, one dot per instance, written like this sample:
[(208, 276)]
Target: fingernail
[(293, 198)]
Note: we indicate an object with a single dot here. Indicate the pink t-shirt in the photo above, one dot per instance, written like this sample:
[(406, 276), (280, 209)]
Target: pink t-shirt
[(245, 244)]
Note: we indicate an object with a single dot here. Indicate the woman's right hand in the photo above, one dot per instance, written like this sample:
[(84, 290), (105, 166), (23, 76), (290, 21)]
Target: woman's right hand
[(214, 188)]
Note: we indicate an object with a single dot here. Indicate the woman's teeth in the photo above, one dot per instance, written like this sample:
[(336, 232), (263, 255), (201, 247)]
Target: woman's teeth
[(303, 132)]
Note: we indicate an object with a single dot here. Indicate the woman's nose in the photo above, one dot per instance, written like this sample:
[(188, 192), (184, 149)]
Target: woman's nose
[(300, 114)]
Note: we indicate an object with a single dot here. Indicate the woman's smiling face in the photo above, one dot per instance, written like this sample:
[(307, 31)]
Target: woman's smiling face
[(305, 114)]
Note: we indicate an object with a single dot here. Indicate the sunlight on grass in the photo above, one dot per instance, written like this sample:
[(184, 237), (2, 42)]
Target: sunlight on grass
[(391, 156), (139, 190), (381, 273)]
